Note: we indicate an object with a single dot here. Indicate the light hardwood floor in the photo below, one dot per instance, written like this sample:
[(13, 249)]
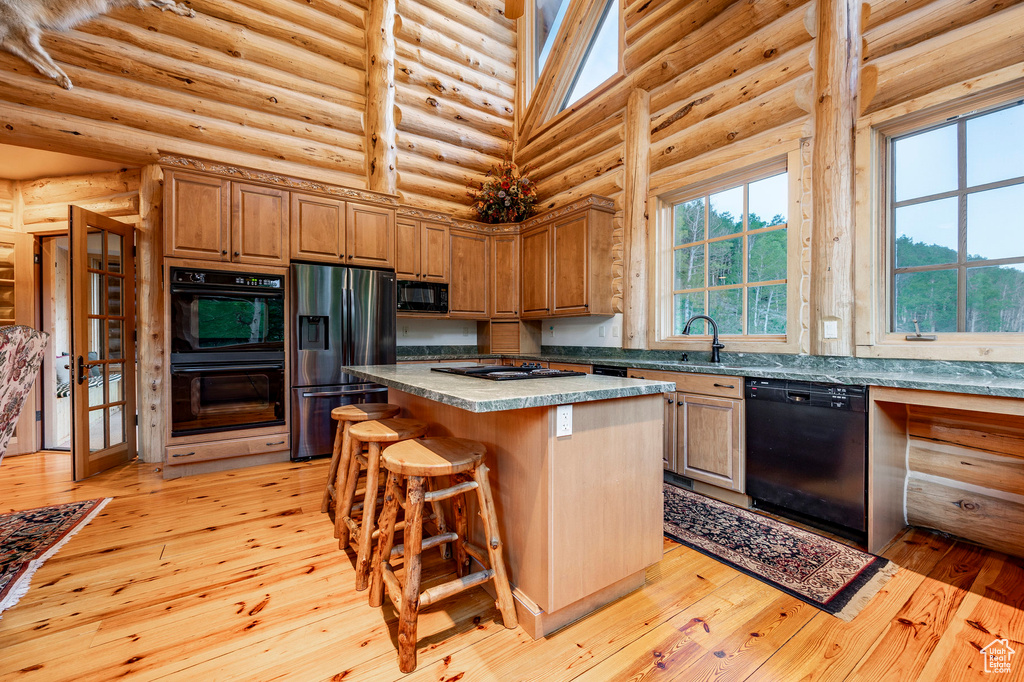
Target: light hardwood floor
[(236, 576)]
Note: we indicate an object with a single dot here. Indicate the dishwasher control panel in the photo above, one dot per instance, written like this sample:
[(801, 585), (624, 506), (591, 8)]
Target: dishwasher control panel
[(809, 393)]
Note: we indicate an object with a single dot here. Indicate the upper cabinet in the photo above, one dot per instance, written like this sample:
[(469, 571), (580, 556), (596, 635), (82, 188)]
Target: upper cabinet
[(505, 276), (317, 228), (213, 218), (468, 294), (259, 225), (566, 265), (196, 213), (370, 236), (421, 250)]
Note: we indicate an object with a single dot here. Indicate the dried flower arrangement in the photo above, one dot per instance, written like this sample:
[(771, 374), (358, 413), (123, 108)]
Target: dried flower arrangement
[(506, 196)]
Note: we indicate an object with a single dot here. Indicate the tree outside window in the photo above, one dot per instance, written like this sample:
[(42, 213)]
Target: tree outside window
[(729, 258), (956, 232)]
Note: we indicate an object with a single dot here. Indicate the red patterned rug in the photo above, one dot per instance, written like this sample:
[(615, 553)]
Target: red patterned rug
[(834, 577), (29, 538)]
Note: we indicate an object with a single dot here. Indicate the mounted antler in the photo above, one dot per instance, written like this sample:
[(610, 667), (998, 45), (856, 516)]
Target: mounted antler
[(23, 21)]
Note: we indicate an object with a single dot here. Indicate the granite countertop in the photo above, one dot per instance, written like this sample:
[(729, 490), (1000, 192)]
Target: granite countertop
[(978, 378), (480, 395)]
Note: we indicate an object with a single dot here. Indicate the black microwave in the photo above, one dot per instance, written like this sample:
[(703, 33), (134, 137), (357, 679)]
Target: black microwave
[(422, 297)]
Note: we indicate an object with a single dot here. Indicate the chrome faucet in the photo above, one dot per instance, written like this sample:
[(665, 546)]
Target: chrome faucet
[(715, 344)]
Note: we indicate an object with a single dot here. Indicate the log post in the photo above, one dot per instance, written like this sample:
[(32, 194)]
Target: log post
[(837, 71), (381, 150), (635, 233), (149, 266)]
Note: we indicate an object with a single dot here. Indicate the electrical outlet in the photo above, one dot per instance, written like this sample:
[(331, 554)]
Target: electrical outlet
[(563, 421), (831, 329), (405, 330), (615, 332), (465, 330), (551, 330)]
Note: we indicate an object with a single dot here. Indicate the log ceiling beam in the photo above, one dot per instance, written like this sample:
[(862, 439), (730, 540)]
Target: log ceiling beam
[(836, 85)]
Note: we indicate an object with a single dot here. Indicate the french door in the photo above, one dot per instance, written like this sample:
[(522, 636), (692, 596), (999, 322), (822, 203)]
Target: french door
[(102, 317)]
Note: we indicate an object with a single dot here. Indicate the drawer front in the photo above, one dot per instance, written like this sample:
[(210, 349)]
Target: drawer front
[(223, 449), (700, 384), (570, 366)]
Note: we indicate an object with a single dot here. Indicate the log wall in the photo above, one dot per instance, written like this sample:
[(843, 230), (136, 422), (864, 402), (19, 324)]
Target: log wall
[(455, 73), (278, 86)]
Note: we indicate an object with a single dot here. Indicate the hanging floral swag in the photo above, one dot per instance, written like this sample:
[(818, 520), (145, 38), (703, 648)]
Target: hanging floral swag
[(506, 196)]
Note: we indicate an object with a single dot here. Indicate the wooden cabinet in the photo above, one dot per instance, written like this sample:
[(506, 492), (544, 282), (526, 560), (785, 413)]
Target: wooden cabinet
[(468, 293), (196, 213), (704, 435), (566, 265), (370, 236), (508, 336), (317, 228), (421, 250), (535, 296), (709, 436), (505, 276), (17, 275), (259, 224)]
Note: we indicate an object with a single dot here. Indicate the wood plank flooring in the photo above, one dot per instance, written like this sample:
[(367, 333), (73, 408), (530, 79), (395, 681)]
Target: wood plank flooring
[(236, 576)]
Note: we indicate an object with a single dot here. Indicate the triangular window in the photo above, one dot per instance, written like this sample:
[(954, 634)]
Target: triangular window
[(601, 60), (548, 17)]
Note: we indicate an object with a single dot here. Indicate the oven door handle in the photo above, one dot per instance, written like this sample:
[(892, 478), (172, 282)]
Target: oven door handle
[(221, 368), (328, 394)]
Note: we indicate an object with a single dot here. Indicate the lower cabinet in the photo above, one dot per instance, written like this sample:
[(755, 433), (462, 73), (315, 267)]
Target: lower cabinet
[(704, 433)]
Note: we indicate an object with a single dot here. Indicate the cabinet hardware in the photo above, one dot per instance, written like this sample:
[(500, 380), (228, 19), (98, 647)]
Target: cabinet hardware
[(724, 386), (224, 252), (183, 454), (280, 442), (670, 401), (236, 253)]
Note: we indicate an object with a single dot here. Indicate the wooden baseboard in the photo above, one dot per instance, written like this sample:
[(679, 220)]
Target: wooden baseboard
[(722, 495)]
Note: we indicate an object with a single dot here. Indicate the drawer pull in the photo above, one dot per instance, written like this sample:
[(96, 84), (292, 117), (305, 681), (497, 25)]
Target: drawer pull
[(724, 386), (280, 442), (671, 402), (184, 454)]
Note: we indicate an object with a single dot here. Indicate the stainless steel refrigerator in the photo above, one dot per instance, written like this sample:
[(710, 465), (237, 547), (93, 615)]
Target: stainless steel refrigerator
[(340, 316)]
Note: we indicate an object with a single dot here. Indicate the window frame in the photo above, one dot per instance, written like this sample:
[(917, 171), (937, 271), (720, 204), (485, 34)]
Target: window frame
[(661, 334), (874, 253)]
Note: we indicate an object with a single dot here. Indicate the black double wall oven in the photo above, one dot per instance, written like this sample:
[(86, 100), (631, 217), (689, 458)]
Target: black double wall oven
[(227, 350)]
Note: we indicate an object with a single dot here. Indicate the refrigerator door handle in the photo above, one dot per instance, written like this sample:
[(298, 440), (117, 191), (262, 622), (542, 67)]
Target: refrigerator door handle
[(328, 394)]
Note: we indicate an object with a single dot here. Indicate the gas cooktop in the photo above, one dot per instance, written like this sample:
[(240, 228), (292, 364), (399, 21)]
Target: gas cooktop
[(499, 373)]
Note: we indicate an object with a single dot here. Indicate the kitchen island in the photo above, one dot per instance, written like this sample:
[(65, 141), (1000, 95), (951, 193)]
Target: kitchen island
[(580, 514)]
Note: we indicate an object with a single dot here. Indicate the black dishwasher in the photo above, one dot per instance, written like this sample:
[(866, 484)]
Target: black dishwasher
[(807, 451)]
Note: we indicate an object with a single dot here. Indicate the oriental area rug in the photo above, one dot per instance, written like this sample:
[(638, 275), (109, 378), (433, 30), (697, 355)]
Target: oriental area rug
[(29, 538), (834, 577)]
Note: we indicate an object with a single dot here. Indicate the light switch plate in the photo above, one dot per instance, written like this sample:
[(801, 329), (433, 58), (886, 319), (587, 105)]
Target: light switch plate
[(831, 329), (563, 421)]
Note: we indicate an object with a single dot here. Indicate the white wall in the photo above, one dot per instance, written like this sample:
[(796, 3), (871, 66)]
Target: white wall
[(420, 332), (601, 332)]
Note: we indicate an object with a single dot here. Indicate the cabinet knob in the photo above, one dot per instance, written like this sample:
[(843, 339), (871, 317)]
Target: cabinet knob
[(670, 401), (224, 252), (236, 253)]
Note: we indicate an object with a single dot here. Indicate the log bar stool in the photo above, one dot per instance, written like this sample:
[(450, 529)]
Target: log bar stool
[(377, 433), (344, 471), (415, 461)]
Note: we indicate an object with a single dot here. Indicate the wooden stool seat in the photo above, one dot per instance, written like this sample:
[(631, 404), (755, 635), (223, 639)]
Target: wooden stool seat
[(342, 459), (433, 456), (376, 432), (413, 465), (387, 430), (365, 412)]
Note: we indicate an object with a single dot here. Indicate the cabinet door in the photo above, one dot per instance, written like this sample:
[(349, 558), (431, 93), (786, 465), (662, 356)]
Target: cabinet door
[(467, 295), (196, 216), (571, 261), (259, 218), (407, 249), (318, 228), (710, 440), (535, 289), (505, 276), (434, 252), (370, 236)]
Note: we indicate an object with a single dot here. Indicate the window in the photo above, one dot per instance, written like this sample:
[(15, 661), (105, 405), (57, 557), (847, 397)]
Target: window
[(548, 16), (956, 236), (729, 254), (601, 60)]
